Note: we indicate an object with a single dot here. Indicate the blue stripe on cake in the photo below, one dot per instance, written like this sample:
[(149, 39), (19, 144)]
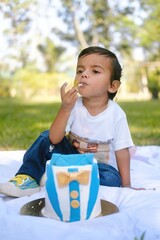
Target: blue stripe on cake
[(94, 188), (74, 186), (52, 192)]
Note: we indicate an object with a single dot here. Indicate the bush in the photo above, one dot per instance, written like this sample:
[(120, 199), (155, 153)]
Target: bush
[(5, 83), (31, 83), (154, 83)]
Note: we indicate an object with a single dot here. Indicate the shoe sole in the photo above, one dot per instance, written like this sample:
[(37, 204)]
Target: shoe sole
[(10, 189)]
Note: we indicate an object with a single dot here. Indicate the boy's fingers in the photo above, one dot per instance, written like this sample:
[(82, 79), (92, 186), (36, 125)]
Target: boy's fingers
[(63, 89)]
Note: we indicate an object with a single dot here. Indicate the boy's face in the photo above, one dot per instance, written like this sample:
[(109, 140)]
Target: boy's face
[(93, 73)]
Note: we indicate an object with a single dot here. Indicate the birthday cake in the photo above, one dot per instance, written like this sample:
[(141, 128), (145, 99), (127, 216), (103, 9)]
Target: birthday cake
[(72, 188)]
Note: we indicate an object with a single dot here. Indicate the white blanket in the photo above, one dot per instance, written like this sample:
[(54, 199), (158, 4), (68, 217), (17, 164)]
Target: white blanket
[(139, 210)]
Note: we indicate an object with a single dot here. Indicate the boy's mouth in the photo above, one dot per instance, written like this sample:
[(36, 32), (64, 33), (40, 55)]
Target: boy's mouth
[(82, 84), (79, 85)]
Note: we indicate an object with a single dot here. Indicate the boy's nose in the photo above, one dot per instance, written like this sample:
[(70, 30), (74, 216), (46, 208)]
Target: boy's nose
[(85, 75)]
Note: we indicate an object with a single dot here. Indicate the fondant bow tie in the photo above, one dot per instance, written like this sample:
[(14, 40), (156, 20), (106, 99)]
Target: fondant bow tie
[(64, 178)]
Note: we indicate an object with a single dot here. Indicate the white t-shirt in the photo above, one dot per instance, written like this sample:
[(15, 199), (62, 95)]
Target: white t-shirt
[(109, 129)]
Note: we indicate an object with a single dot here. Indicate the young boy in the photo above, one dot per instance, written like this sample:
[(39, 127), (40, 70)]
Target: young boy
[(93, 121)]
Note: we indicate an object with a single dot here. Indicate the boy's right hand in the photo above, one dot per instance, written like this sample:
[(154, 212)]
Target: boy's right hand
[(68, 98)]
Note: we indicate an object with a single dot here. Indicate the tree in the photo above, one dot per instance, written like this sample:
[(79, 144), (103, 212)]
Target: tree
[(50, 54), (94, 22), (149, 39), (149, 33), (17, 14), (154, 82), (25, 38), (26, 47), (87, 22)]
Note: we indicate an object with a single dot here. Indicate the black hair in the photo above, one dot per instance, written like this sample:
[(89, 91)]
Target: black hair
[(116, 67)]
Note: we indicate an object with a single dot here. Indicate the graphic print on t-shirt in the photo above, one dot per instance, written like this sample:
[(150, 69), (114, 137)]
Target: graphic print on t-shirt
[(85, 145)]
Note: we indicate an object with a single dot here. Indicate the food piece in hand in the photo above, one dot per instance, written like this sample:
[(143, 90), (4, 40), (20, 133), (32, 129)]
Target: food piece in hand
[(75, 83)]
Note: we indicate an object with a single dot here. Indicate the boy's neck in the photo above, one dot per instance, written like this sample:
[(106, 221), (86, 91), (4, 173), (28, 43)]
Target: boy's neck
[(95, 106)]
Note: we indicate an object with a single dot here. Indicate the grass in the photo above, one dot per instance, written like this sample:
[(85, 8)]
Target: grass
[(21, 122), (143, 118)]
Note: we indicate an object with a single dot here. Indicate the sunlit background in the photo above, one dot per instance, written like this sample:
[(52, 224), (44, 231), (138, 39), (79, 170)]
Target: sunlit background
[(40, 41)]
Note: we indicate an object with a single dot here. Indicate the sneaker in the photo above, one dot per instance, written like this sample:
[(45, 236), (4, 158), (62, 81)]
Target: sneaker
[(19, 186)]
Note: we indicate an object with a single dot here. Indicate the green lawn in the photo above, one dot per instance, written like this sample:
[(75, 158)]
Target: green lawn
[(21, 122), (144, 121)]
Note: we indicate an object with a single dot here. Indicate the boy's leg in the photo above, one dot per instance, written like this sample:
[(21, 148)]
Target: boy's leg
[(29, 175), (109, 176), (34, 161), (36, 156)]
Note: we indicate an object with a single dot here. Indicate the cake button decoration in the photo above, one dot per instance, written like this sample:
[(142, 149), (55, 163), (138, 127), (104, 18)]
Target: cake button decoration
[(74, 194), (74, 204)]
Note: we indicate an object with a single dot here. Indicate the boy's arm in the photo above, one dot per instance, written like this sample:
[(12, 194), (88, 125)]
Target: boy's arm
[(123, 162), (57, 129)]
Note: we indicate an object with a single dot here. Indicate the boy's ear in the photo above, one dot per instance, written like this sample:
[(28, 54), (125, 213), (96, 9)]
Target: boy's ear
[(114, 86)]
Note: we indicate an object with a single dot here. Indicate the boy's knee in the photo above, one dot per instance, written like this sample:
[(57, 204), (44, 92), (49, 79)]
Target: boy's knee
[(45, 133)]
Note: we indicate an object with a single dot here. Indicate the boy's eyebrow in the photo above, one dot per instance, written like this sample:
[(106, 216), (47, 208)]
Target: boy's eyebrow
[(98, 66), (81, 66)]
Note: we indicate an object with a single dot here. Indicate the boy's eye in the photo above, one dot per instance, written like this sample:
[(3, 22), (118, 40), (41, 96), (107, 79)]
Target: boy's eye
[(79, 71), (96, 71)]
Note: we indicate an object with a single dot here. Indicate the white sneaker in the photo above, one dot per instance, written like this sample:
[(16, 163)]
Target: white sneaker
[(19, 186)]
